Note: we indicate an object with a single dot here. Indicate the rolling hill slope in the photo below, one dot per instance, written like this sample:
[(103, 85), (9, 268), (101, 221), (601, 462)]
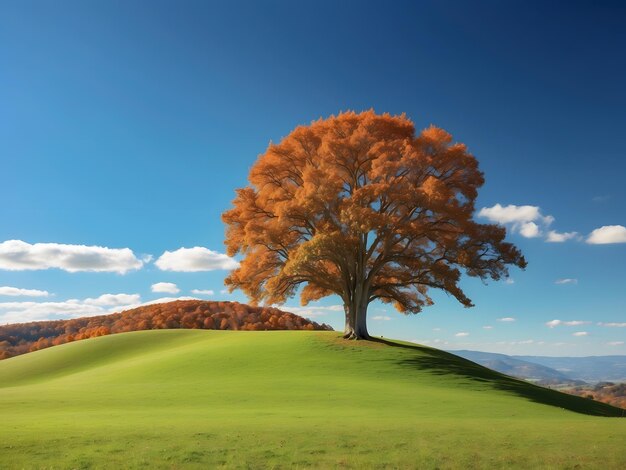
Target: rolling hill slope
[(198, 399)]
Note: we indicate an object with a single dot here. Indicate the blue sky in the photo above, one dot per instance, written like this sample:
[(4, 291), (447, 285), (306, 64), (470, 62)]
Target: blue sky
[(128, 125)]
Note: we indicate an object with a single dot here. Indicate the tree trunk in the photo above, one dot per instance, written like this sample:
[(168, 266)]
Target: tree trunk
[(348, 331), (361, 323), (356, 321)]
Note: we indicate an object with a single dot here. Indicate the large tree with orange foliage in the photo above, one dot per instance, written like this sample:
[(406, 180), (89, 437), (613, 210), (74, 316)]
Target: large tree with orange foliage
[(360, 206)]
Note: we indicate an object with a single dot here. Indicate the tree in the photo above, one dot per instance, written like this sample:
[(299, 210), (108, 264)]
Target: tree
[(359, 206)]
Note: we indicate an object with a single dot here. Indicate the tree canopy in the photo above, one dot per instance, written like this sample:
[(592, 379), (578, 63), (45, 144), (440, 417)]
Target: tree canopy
[(360, 206)]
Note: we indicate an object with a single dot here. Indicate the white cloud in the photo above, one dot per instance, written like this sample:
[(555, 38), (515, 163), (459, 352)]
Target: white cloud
[(487, 327), (527, 220), (436, 329), (556, 237), (16, 291), (553, 323), (16, 255), (524, 219), (580, 333), (165, 287), (607, 234), (462, 334), (509, 280), (312, 311), (381, 318), (615, 343), (225, 292), (529, 230), (566, 281), (114, 300), (506, 319), (202, 291), (20, 312), (195, 259), (613, 325), (512, 214)]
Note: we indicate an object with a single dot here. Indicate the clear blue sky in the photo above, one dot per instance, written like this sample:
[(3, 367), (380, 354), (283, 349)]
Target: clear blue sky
[(128, 124)]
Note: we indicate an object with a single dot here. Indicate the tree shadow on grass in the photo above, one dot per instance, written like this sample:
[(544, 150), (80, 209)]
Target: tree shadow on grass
[(440, 362)]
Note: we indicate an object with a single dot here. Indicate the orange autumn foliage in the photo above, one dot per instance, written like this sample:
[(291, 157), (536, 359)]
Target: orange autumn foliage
[(359, 206), (606, 392), (21, 338)]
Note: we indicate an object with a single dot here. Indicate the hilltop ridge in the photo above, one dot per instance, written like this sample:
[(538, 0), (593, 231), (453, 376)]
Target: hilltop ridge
[(20, 338)]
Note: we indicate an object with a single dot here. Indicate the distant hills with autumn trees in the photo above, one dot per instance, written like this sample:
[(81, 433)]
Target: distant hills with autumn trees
[(20, 338)]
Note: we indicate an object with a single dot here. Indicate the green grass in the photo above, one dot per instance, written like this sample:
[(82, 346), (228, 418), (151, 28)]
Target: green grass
[(293, 399)]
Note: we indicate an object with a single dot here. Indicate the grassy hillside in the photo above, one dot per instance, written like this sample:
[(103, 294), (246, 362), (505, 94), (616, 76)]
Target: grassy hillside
[(178, 398)]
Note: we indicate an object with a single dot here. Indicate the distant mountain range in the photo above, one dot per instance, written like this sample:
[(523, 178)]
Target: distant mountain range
[(553, 370), (589, 369)]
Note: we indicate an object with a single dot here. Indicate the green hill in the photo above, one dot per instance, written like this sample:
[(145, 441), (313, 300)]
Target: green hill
[(291, 399)]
